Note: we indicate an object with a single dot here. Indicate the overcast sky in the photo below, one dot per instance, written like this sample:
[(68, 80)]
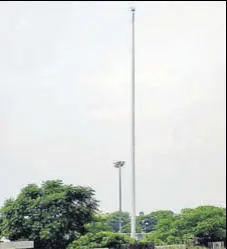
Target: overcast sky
[(65, 99)]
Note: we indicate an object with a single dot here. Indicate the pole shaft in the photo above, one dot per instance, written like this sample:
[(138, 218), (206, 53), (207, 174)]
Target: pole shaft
[(120, 191), (133, 216), (120, 200)]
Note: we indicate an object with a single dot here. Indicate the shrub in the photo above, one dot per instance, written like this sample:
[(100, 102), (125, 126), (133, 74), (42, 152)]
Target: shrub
[(101, 240)]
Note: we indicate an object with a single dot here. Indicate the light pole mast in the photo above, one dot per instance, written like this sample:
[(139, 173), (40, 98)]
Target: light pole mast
[(119, 165), (133, 214)]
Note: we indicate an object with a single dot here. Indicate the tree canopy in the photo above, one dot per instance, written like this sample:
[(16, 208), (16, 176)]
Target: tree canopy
[(59, 216), (52, 215), (207, 223), (101, 240), (113, 219)]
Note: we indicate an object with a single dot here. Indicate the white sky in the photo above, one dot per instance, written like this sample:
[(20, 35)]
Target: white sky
[(65, 99)]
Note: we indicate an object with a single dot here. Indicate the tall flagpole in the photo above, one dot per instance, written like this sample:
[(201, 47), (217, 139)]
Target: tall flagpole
[(133, 214)]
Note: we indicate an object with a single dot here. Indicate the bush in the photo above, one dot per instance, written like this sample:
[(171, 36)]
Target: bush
[(102, 240)]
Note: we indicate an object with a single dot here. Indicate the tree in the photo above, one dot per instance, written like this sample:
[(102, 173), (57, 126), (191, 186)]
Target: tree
[(0, 226), (52, 215), (114, 219), (153, 238), (98, 224), (101, 240), (212, 229), (208, 223), (155, 220)]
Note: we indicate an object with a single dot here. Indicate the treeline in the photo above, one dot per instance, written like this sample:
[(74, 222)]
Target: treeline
[(59, 216), (204, 223)]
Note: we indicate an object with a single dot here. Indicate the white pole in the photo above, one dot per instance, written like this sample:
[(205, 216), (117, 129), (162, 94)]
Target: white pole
[(119, 165), (120, 200), (133, 215)]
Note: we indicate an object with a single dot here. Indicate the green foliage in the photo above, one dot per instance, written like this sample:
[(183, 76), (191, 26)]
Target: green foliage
[(52, 215), (0, 226), (55, 215), (114, 218), (98, 224), (153, 238), (150, 222), (101, 240), (207, 223)]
